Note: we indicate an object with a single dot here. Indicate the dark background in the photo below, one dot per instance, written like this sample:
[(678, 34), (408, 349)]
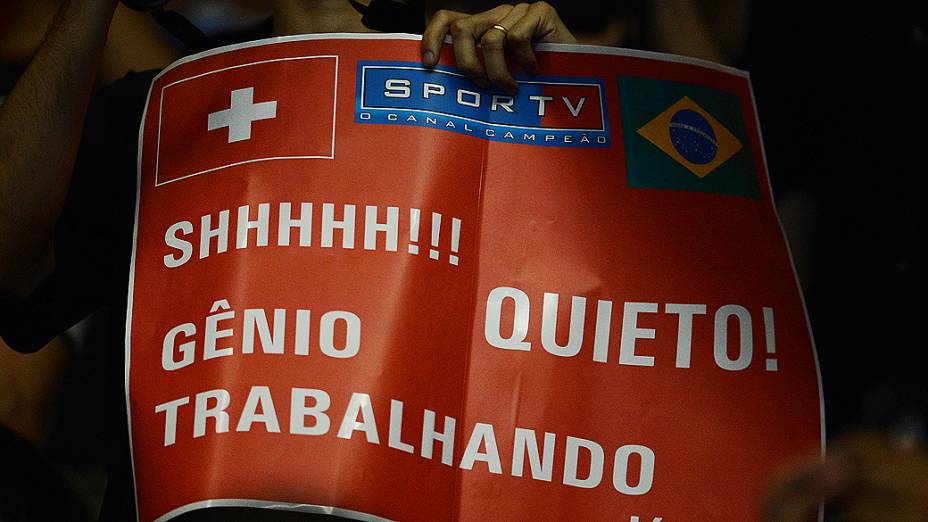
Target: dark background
[(841, 93)]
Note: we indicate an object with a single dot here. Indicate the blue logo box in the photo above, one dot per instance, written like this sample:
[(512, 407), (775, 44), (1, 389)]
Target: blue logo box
[(547, 110)]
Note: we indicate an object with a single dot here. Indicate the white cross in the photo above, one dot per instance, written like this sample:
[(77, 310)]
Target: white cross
[(243, 111)]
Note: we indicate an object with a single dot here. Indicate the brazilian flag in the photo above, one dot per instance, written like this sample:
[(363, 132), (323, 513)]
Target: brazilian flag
[(686, 137)]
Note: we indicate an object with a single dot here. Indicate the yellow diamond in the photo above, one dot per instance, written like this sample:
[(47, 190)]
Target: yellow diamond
[(658, 132)]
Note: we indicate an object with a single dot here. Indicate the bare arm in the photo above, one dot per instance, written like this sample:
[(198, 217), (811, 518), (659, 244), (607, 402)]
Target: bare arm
[(40, 129)]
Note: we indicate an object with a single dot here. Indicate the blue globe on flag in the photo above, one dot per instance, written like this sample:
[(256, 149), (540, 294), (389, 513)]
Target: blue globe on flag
[(692, 136)]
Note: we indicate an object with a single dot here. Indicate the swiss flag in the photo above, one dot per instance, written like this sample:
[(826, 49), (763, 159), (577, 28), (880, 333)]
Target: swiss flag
[(245, 113)]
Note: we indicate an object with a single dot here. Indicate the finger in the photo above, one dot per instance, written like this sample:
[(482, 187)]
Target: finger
[(493, 45), (549, 27), (522, 34), (469, 30), (465, 50), (434, 35), (541, 23)]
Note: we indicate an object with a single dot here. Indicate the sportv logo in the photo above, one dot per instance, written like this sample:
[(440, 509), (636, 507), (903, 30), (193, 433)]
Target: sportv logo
[(554, 111)]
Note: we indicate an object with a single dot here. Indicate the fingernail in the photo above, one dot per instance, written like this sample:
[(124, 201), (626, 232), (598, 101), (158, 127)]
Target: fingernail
[(428, 57)]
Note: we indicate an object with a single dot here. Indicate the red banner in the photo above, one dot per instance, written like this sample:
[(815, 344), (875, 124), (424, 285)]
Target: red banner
[(366, 288)]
